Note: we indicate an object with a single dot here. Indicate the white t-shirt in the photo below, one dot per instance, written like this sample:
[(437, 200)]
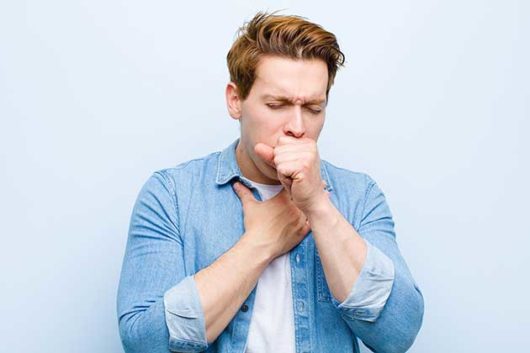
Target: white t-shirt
[(272, 322)]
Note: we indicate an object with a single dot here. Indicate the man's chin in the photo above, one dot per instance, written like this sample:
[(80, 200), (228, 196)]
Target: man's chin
[(270, 173)]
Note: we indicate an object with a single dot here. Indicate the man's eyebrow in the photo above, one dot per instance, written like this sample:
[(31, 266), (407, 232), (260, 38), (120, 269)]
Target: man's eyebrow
[(290, 100)]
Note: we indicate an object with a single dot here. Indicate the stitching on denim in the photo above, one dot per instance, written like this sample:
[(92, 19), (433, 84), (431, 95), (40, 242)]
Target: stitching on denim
[(322, 294), (368, 191), (218, 176), (163, 174)]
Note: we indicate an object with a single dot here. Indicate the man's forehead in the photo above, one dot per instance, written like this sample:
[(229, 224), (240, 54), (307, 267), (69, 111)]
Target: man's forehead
[(274, 91), (278, 87)]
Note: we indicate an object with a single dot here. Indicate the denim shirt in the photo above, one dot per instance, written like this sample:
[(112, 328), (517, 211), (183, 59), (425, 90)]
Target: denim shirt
[(186, 217)]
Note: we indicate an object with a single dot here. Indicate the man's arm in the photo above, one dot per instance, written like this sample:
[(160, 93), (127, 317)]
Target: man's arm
[(342, 250), (393, 317), (159, 307), (272, 228), (152, 266), (385, 318), (226, 284)]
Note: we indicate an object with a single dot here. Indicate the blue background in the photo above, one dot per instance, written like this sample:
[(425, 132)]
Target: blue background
[(96, 95)]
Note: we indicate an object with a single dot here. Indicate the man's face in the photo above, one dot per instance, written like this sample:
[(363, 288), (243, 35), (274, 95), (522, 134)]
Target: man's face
[(288, 98)]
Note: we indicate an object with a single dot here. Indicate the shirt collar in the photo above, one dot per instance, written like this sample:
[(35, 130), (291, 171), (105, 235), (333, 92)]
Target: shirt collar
[(228, 169)]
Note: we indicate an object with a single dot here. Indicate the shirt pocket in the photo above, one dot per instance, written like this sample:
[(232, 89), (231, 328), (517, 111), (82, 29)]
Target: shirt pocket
[(323, 293)]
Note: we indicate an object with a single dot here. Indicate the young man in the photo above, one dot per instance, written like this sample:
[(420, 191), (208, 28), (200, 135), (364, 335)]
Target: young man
[(264, 247)]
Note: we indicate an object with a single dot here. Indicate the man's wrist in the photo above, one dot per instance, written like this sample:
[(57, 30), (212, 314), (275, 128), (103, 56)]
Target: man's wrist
[(262, 254), (321, 209)]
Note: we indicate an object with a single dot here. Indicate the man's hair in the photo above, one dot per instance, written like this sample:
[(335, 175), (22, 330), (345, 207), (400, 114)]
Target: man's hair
[(285, 36)]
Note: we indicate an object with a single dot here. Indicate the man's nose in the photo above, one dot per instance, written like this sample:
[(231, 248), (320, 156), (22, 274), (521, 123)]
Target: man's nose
[(295, 126)]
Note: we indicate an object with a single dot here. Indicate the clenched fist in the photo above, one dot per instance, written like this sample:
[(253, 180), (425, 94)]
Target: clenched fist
[(297, 163)]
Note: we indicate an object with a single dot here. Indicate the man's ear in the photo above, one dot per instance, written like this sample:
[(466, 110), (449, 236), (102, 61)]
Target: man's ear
[(233, 101)]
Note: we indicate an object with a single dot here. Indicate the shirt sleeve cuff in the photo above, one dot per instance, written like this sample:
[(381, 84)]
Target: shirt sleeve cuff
[(372, 288), (185, 318)]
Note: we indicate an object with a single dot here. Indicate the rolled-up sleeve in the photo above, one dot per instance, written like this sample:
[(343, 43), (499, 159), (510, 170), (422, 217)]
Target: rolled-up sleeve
[(386, 325), (158, 305), (372, 288), (184, 317)]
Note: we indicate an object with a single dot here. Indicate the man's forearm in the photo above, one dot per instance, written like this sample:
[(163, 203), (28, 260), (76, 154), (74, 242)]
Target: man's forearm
[(225, 284), (341, 249)]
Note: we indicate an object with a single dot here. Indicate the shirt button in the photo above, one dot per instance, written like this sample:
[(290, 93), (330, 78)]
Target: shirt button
[(301, 306), (244, 308), (297, 258)]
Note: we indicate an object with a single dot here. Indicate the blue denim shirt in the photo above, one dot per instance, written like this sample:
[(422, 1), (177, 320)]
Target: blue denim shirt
[(186, 217)]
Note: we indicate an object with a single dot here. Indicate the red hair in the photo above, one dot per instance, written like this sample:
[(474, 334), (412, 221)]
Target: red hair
[(286, 36)]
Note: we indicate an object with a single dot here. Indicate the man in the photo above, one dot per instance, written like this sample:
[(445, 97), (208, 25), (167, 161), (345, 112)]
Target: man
[(264, 247)]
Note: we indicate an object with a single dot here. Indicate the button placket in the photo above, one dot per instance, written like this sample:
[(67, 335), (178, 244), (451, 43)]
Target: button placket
[(301, 297)]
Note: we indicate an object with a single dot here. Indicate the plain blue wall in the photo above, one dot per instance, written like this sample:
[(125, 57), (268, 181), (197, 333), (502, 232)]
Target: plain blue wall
[(96, 95)]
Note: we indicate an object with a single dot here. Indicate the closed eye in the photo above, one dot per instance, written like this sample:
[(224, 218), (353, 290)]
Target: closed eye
[(314, 111), (274, 106), (279, 106)]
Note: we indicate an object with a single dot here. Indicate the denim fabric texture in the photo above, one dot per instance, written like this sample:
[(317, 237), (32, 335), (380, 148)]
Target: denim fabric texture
[(186, 217)]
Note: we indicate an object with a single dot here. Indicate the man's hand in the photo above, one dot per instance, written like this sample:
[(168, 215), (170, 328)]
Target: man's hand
[(272, 228), (276, 225), (298, 165)]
